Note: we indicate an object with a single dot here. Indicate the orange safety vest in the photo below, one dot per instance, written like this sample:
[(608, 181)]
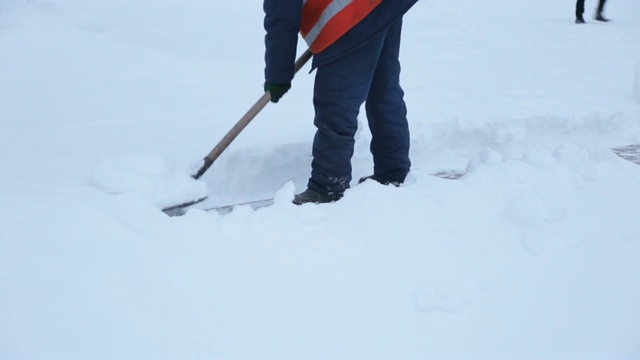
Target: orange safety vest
[(325, 21)]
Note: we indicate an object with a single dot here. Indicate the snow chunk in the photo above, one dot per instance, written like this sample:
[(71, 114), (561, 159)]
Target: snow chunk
[(285, 194), (154, 177)]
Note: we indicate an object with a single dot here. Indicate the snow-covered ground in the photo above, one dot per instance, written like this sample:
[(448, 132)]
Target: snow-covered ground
[(107, 106)]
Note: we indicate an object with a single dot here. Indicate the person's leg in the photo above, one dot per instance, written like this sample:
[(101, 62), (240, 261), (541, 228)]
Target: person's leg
[(599, 16), (601, 6), (340, 89), (579, 9), (387, 113)]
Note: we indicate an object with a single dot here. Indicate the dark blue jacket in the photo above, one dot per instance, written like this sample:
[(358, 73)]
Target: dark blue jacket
[(282, 23)]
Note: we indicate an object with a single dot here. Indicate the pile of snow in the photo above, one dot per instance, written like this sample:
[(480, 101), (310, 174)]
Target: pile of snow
[(154, 177)]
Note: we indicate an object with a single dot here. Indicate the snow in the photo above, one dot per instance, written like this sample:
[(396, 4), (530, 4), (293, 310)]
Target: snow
[(107, 107), (637, 82)]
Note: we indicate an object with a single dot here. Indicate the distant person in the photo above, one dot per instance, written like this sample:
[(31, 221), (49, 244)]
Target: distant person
[(580, 12)]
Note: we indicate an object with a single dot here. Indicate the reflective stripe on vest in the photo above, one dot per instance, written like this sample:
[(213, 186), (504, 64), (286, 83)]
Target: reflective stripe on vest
[(325, 21)]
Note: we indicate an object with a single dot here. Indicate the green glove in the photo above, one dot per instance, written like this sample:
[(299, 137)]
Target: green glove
[(276, 90)]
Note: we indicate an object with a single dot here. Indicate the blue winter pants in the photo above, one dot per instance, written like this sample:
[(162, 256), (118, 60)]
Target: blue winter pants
[(370, 75)]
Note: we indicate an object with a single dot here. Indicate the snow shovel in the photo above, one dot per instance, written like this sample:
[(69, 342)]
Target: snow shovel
[(232, 134)]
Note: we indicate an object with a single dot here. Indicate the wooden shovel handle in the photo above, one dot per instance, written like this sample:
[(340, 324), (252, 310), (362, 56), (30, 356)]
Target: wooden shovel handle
[(244, 121)]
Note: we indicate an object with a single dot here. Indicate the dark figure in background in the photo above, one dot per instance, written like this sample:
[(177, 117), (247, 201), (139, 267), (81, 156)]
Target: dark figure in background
[(580, 11)]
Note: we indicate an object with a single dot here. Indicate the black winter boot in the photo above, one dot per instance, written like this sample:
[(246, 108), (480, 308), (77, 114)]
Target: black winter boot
[(600, 17), (580, 20), (380, 180), (314, 197)]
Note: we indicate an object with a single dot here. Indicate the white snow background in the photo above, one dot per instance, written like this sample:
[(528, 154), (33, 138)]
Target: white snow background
[(107, 106)]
